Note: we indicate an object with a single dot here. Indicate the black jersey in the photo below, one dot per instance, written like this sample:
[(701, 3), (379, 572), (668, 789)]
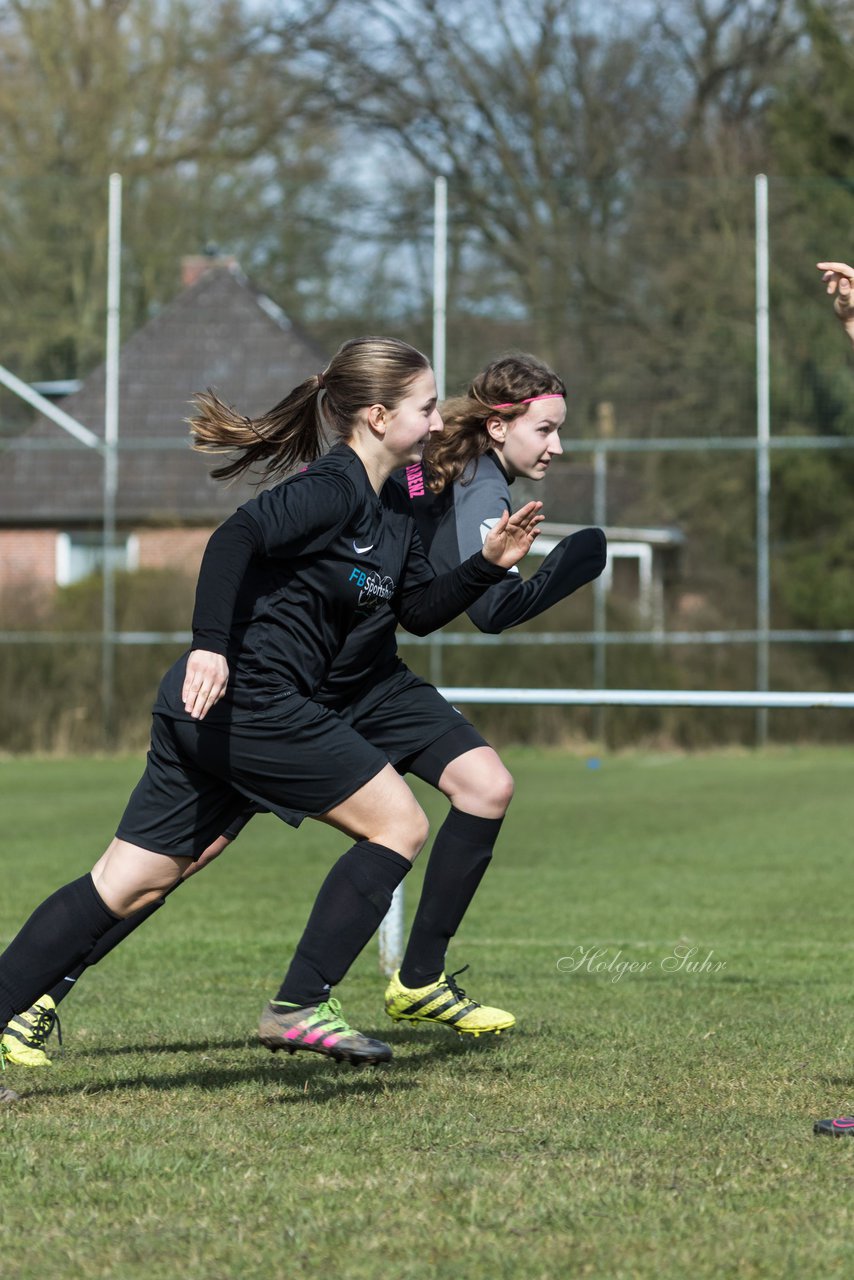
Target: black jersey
[(452, 526), (287, 577)]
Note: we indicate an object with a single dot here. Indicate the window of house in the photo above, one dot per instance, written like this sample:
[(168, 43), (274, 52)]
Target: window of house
[(81, 553)]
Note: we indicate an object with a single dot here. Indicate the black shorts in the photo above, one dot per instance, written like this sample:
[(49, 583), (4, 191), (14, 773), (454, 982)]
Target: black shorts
[(410, 722), (199, 776)]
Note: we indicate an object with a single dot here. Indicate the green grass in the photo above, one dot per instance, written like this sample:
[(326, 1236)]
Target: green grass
[(655, 1124)]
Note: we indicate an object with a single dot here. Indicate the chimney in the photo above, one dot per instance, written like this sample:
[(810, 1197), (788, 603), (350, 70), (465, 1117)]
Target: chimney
[(196, 265)]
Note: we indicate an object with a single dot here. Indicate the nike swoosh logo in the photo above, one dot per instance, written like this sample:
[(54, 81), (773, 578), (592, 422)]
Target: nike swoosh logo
[(360, 551)]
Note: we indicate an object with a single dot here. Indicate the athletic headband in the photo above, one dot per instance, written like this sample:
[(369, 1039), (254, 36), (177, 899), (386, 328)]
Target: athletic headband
[(549, 395)]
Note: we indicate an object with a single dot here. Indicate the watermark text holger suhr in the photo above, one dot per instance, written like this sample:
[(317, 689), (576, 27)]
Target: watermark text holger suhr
[(683, 958)]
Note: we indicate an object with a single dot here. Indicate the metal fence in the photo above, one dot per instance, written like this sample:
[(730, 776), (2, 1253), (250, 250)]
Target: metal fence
[(753, 433)]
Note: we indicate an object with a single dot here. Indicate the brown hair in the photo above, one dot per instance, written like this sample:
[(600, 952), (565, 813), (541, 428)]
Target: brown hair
[(364, 371), (507, 382)]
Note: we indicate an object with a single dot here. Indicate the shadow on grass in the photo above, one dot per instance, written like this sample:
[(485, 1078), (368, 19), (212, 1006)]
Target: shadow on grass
[(332, 1079), (435, 1043), (296, 1072), (166, 1046), (429, 1042)]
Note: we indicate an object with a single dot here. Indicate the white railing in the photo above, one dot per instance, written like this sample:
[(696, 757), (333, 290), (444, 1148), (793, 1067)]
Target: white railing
[(391, 929)]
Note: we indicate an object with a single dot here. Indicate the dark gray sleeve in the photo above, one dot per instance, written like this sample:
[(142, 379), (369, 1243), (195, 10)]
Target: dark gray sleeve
[(576, 560)]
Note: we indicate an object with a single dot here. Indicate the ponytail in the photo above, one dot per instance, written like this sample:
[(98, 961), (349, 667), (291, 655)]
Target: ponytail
[(287, 434), (364, 371)]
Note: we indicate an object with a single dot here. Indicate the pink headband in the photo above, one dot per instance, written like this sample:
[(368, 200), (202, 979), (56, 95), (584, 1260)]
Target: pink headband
[(550, 395)]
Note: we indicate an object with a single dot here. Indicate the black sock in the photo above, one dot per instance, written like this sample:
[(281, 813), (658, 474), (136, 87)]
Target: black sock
[(57, 936), (347, 912), (459, 857), (105, 944)]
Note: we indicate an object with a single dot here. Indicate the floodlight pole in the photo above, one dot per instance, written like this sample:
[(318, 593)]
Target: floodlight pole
[(111, 460), (605, 432), (391, 929), (440, 306), (440, 280), (763, 465)]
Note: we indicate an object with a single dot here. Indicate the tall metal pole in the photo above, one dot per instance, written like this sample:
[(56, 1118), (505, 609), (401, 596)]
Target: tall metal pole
[(600, 600), (605, 427), (111, 468), (391, 929), (440, 301), (600, 597), (763, 465), (440, 280)]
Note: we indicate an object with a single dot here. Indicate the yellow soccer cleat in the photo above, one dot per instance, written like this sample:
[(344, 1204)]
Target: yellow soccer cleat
[(24, 1038), (7, 1096), (445, 1003)]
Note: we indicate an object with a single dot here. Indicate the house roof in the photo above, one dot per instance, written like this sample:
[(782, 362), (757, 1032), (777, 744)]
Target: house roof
[(219, 332)]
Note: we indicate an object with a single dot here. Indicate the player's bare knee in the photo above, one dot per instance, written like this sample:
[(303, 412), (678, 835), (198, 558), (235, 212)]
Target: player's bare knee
[(501, 790), (128, 878), (408, 833), (485, 791), (420, 831)]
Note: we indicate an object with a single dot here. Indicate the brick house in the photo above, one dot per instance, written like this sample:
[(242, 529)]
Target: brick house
[(218, 332)]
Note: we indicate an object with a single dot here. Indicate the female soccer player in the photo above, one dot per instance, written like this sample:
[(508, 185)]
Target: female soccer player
[(506, 426), (281, 584)]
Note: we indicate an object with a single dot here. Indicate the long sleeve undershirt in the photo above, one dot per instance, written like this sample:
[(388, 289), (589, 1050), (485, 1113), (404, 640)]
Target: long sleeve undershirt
[(421, 607)]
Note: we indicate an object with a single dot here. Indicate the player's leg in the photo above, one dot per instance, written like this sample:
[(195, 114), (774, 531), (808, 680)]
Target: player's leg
[(62, 931), (158, 837), (480, 789), (124, 928), (421, 733), (28, 1033), (388, 828)]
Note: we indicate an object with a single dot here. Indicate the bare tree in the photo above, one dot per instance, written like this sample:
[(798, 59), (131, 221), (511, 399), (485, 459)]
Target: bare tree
[(183, 100), (538, 118), (729, 53), (550, 118)]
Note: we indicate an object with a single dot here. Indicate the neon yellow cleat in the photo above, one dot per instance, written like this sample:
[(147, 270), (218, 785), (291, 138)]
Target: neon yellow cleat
[(24, 1038), (7, 1096), (445, 1003)]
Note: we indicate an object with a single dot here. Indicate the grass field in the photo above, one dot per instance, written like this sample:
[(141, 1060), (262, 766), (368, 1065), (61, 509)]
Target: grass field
[(644, 1120)]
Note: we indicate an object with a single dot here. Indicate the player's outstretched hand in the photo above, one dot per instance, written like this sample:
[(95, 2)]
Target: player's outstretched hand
[(204, 683), (510, 538), (839, 279)]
